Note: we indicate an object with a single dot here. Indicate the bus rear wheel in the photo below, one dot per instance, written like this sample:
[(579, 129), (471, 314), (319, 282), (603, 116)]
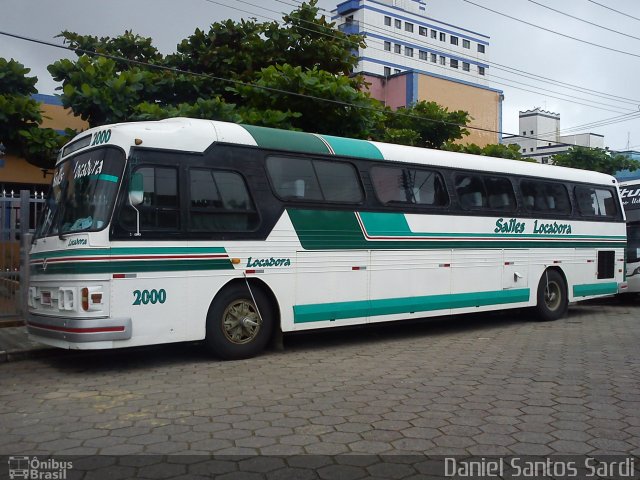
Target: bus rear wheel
[(553, 301), (239, 323)]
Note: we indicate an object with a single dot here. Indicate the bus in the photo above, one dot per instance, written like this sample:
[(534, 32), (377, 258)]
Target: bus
[(185, 230), (630, 193)]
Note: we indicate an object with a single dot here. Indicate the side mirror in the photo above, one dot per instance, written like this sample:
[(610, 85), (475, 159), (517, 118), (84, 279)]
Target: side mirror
[(136, 191)]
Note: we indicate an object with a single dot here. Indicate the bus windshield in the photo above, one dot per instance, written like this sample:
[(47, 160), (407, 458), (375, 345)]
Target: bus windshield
[(633, 242), (82, 193)]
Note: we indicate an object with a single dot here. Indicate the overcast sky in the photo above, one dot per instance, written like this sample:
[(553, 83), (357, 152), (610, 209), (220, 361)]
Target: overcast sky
[(513, 44)]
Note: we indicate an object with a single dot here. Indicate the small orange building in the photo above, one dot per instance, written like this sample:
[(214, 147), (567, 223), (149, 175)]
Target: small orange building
[(15, 172)]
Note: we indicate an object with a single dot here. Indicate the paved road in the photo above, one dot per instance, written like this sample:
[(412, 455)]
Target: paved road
[(481, 385)]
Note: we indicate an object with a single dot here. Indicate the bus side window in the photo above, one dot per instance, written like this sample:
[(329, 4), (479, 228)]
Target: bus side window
[(220, 202), (595, 202), (545, 197), (159, 209), (470, 191), (409, 186)]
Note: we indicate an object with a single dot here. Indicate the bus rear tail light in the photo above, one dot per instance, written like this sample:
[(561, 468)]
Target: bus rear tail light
[(91, 299)]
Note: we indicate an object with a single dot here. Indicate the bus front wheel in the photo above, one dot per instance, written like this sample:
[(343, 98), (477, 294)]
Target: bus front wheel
[(552, 296), (239, 323)]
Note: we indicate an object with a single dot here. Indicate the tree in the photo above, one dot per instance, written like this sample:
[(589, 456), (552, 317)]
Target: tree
[(21, 117), (595, 159), (266, 74), (511, 152), (424, 124)]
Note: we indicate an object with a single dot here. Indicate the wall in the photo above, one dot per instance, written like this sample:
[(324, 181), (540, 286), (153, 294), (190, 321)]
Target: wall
[(483, 106)]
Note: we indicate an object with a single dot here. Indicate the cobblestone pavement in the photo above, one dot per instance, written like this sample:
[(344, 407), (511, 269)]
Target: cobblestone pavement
[(482, 384)]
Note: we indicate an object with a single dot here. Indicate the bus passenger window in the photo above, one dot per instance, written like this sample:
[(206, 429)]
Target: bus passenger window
[(313, 179), (500, 193), (409, 185), (470, 191), (219, 202), (293, 178), (545, 197), (595, 202)]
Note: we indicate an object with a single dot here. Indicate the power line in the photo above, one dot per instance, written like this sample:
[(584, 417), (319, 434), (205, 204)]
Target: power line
[(552, 31), (252, 85), (439, 48), (583, 20), (496, 65), (614, 10)]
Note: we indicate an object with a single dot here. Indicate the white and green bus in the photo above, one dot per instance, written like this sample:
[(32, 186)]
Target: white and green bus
[(630, 193), (184, 230)]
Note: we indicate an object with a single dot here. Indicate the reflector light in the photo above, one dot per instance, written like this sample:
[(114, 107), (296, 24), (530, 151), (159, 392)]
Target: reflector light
[(84, 297)]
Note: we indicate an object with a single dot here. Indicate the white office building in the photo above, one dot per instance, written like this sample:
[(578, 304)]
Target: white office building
[(540, 136), (400, 36)]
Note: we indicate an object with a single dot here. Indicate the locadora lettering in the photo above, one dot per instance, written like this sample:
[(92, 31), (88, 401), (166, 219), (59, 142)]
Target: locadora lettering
[(268, 262), (551, 228), (77, 241)]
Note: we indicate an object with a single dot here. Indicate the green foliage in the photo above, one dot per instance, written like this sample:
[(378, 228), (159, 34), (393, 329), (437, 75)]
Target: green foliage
[(433, 124), (596, 159), (349, 113), (260, 73), (511, 152), (20, 117)]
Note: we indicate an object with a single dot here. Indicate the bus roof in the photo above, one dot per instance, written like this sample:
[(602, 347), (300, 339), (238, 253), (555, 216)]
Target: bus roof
[(196, 135)]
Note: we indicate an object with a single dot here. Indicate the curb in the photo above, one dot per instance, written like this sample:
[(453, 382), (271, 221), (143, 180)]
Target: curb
[(15, 356)]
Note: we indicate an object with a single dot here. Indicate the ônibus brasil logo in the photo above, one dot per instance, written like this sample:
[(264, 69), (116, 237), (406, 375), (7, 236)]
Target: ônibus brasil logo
[(36, 469)]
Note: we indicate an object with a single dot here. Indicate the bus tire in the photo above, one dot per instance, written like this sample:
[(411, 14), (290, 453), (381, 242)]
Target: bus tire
[(236, 329), (553, 301)]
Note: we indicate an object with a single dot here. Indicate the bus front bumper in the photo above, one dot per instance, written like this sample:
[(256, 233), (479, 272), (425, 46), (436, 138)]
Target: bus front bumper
[(79, 330)]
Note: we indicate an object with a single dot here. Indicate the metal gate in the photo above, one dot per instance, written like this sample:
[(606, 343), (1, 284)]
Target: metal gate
[(19, 215)]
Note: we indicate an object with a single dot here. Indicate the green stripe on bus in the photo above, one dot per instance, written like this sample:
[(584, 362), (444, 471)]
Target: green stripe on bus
[(340, 230), (136, 266), (353, 148), (286, 140), (105, 177), (95, 252), (369, 308), (379, 224), (595, 289)]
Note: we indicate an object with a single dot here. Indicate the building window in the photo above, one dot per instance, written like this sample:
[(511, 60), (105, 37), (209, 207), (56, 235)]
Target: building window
[(481, 70), (408, 27), (423, 31), (454, 40), (531, 132), (524, 150), (480, 48), (387, 21), (465, 66), (408, 51), (434, 58), (424, 55), (443, 37), (531, 149), (524, 133), (387, 46), (397, 48), (466, 44), (434, 34), (453, 63), (545, 160), (443, 60), (387, 71), (396, 70), (398, 23)]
